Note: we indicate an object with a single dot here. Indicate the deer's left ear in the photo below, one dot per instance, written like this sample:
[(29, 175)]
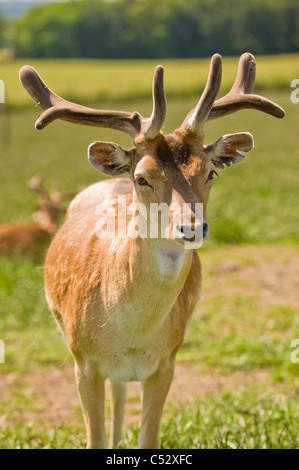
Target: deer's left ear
[(225, 150), (109, 158)]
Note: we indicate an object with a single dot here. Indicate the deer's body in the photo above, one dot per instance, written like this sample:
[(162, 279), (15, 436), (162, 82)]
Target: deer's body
[(21, 237), (124, 302)]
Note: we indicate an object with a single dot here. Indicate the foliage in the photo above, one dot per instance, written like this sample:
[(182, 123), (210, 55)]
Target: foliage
[(3, 29), (153, 29)]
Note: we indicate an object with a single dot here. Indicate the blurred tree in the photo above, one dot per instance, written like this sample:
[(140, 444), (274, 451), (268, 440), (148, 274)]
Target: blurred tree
[(156, 28), (3, 29), (258, 28), (47, 32)]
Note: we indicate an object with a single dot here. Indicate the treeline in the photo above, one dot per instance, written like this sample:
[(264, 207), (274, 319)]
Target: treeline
[(157, 28)]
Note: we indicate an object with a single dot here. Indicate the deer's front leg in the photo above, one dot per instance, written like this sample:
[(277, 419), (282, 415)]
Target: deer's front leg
[(155, 390), (91, 388), (119, 398)]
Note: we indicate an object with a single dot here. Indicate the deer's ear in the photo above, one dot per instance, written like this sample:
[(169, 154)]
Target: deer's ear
[(225, 150), (109, 158)]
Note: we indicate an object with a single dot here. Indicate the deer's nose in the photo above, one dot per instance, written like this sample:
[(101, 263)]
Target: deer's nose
[(194, 232)]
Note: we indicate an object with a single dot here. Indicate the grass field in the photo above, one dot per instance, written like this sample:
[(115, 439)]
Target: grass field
[(235, 386)]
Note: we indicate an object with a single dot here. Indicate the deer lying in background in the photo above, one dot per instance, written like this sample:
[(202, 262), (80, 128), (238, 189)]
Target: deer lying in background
[(124, 302), (18, 237)]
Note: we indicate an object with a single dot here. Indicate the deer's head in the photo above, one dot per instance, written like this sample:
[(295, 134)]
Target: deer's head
[(177, 169), (50, 205)]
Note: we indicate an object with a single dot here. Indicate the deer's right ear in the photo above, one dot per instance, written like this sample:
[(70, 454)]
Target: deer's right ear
[(225, 150), (109, 158)]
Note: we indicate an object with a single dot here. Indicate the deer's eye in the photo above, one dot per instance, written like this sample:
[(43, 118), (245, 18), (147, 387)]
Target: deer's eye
[(211, 176), (141, 181)]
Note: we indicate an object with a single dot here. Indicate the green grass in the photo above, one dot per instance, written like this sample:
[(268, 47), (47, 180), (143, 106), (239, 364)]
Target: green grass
[(25, 318), (253, 420), (231, 421), (253, 203), (35, 437)]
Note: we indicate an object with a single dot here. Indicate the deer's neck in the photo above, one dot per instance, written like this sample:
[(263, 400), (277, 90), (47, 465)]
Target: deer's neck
[(149, 275)]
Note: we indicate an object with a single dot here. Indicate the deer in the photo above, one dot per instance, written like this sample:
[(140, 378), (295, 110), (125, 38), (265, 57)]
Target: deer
[(24, 237), (124, 302)]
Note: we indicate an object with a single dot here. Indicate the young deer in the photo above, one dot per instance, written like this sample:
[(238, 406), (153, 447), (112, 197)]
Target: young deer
[(124, 302), (18, 237)]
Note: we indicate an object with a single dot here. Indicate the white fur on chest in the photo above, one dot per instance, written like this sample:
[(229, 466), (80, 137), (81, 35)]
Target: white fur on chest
[(170, 262)]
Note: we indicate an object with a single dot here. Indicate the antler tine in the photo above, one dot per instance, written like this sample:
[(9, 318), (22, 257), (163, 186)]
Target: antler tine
[(152, 126), (240, 97), (56, 107), (245, 78), (197, 118), (35, 184)]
